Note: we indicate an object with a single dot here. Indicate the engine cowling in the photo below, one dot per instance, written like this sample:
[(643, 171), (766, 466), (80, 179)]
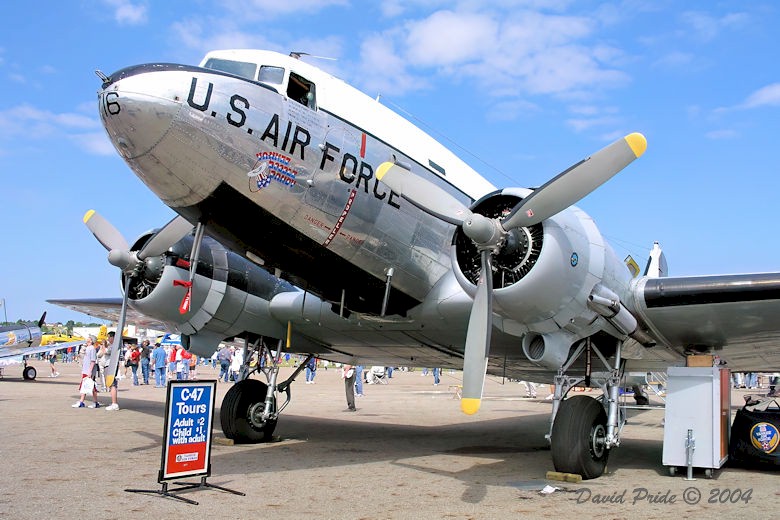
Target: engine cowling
[(543, 275), (230, 295)]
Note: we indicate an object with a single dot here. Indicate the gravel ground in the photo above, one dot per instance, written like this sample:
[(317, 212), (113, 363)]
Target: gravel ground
[(407, 452)]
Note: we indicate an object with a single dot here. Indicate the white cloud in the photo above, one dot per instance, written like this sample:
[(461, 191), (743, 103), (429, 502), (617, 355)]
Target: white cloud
[(211, 34), (510, 110), (255, 9), (29, 122), (705, 27), (128, 13), (766, 96), (512, 49), (514, 55), (96, 143), (392, 8), (721, 134), (383, 71), (446, 38), (674, 59), (582, 124)]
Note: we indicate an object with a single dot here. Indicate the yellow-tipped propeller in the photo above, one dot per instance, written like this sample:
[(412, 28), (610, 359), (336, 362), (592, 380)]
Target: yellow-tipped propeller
[(487, 234)]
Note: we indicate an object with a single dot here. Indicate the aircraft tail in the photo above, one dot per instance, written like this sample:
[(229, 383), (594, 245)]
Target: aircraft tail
[(656, 263)]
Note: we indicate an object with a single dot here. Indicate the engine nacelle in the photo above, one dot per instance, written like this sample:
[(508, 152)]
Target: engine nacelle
[(543, 275), (230, 295)]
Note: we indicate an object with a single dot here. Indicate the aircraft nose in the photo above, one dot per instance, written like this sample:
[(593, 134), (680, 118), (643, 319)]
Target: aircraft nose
[(135, 120)]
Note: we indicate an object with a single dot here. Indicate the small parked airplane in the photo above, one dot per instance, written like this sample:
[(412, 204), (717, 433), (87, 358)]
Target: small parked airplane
[(389, 250), (54, 339), (24, 340)]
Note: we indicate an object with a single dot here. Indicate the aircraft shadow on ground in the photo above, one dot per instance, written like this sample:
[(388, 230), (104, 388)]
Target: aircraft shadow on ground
[(495, 452)]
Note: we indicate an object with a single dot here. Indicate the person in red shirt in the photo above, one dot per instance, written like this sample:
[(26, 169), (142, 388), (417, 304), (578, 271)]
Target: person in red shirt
[(133, 359)]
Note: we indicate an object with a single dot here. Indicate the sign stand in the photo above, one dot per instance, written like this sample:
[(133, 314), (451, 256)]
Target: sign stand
[(189, 414)]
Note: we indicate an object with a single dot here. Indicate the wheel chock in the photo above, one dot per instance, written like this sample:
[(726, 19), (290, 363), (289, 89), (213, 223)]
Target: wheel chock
[(564, 477), (222, 441)]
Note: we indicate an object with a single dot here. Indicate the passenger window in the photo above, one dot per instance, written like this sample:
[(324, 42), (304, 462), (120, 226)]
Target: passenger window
[(272, 75), (238, 68), (301, 90)]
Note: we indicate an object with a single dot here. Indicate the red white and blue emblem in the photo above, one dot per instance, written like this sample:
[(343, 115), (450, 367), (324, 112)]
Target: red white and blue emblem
[(271, 166)]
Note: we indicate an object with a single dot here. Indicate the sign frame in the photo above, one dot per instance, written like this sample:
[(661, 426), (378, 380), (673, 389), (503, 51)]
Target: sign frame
[(189, 414)]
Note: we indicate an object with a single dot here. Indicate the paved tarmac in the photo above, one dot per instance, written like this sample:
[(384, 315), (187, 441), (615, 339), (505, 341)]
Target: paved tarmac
[(408, 452)]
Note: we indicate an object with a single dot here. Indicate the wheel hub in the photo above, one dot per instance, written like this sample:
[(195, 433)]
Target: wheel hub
[(255, 415), (598, 440)]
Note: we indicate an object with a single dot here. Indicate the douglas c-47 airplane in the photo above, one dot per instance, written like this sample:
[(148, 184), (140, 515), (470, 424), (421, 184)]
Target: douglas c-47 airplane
[(387, 249)]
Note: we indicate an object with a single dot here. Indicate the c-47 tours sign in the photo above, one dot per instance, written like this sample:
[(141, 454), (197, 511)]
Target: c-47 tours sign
[(188, 421), (186, 451)]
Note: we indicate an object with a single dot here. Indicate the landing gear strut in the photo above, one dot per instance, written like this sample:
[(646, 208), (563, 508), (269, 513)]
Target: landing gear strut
[(582, 429), (249, 411)]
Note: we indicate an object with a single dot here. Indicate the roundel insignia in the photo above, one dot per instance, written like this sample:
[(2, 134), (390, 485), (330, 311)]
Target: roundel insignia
[(575, 258), (764, 437)]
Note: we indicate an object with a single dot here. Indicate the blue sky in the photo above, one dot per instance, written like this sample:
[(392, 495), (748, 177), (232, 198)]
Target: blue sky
[(519, 89)]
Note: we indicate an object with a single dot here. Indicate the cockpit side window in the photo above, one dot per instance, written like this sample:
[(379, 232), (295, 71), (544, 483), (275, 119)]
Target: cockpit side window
[(272, 75), (301, 90), (238, 68)]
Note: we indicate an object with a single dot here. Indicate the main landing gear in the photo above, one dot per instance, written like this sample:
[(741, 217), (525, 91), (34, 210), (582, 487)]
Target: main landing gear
[(249, 410), (583, 430), (29, 373)]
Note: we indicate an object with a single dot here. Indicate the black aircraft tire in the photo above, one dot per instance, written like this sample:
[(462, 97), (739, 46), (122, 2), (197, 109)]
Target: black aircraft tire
[(234, 414), (29, 373), (577, 437)]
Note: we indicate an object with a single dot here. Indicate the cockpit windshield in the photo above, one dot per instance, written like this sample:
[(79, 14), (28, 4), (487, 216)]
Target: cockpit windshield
[(272, 75), (239, 68)]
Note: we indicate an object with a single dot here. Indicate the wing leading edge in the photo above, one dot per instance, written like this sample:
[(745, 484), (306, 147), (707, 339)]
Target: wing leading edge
[(108, 309), (737, 316)]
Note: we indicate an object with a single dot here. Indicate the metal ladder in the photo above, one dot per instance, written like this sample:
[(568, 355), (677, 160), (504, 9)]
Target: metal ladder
[(657, 383)]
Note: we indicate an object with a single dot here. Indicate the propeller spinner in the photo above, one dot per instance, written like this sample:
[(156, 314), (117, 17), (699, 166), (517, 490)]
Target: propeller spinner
[(488, 234)]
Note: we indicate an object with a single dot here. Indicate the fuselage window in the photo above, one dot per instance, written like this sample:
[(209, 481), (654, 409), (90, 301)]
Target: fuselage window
[(301, 90), (239, 68), (272, 75)]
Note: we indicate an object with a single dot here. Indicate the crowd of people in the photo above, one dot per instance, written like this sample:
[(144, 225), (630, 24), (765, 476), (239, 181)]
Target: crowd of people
[(159, 362), (174, 362)]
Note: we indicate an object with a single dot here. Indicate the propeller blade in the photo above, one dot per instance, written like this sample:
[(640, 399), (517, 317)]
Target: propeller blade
[(475, 355), (422, 193), (106, 233), (168, 235), (113, 361), (573, 184)]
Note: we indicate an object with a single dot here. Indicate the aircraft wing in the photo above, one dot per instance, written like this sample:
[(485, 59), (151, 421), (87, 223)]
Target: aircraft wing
[(108, 309), (737, 315), (22, 350)]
